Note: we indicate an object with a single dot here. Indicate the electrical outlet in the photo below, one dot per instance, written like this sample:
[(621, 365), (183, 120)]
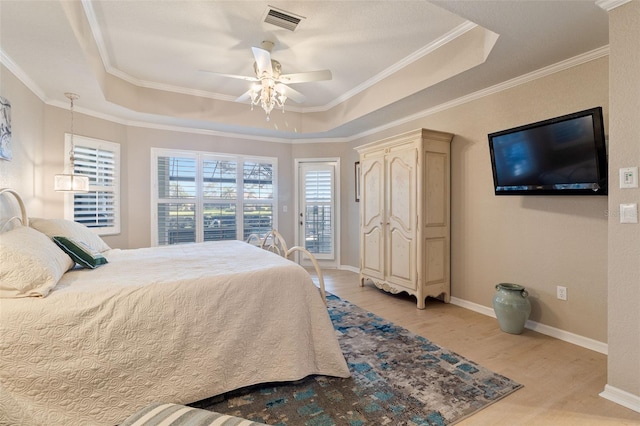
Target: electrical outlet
[(562, 292)]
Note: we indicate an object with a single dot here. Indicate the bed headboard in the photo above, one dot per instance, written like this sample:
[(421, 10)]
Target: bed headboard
[(274, 242), (12, 210)]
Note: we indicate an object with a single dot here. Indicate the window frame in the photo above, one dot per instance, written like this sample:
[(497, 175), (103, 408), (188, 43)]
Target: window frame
[(199, 200), (69, 201)]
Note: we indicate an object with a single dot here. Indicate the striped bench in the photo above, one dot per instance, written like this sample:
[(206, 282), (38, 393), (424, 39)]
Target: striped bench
[(159, 414)]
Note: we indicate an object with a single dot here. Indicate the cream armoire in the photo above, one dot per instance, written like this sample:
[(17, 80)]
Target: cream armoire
[(404, 214)]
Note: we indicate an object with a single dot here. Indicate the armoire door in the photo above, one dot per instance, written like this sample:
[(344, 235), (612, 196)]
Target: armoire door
[(372, 218), (401, 221)]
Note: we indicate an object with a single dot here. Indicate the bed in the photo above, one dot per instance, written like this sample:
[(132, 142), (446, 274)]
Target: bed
[(174, 324)]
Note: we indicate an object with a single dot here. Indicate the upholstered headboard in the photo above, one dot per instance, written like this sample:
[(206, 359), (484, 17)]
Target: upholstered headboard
[(12, 210)]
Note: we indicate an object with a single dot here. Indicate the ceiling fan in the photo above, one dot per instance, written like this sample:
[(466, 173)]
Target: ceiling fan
[(270, 88)]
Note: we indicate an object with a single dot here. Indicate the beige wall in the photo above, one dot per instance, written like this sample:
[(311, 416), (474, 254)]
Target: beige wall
[(24, 172), (539, 242), (624, 239)]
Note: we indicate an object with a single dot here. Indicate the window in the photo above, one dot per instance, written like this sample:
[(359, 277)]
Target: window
[(98, 209), (201, 196)]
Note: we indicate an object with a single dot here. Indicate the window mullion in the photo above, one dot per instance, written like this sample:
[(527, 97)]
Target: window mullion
[(199, 222), (240, 200)]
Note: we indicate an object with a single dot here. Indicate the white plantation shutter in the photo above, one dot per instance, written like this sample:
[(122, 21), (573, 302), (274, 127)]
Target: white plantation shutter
[(99, 163), (258, 180), (176, 178), (258, 198), (202, 196), (318, 181), (220, 197), (176, 193), (318, 186), (99, 208)]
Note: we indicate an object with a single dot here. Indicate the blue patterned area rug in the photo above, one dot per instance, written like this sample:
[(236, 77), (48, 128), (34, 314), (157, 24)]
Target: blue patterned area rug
[(398, 378)]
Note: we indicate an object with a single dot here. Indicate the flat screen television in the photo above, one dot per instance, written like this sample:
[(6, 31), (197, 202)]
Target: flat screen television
[(565, 155)]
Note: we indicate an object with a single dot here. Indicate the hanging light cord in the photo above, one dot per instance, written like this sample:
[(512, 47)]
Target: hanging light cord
[(72, 156)]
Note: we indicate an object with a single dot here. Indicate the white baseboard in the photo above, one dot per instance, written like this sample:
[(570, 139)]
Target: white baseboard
[(473, 307), (566, 336), (557, 333), (349, 268), (621, 397)]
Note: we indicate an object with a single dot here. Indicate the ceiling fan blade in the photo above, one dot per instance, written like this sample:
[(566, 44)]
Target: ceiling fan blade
[(245, 96), (239, 77), (263, 60), (290, 93), (303, 77)]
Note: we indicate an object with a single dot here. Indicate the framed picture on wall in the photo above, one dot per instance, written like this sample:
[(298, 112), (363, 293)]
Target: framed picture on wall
[(357, 180), (5, 129)]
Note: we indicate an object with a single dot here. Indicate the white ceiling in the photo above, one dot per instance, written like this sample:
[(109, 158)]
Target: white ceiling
[(126, 59)]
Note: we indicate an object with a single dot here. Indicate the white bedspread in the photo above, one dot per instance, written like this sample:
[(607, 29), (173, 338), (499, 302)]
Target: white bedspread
[(170, 324)]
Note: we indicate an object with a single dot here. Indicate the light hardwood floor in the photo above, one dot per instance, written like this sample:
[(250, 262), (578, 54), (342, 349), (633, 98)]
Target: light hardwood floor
[(561, 380)]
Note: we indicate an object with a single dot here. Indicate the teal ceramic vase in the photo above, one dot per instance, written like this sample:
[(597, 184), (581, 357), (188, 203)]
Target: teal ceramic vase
[(512, 307)]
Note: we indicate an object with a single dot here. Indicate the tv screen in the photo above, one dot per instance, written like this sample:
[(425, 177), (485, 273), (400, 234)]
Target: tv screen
[(561, 156)]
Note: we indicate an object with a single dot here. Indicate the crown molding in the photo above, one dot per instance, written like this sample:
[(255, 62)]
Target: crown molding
[(447, 38), (22, 76), (523, 79), (109, 68), (609, 5), (543, 72)]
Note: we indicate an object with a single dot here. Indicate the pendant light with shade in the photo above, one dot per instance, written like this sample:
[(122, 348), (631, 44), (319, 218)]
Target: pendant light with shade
[(70, 181)]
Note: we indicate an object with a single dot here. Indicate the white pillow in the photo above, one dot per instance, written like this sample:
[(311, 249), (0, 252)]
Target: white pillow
[(30, 263), (69, 229)]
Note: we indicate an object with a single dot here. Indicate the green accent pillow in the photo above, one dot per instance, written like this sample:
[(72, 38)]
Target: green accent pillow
[(80, 252)]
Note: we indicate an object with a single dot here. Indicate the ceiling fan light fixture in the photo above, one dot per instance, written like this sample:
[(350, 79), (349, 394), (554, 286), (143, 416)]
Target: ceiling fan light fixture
[(270, 87), (267, 96)]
